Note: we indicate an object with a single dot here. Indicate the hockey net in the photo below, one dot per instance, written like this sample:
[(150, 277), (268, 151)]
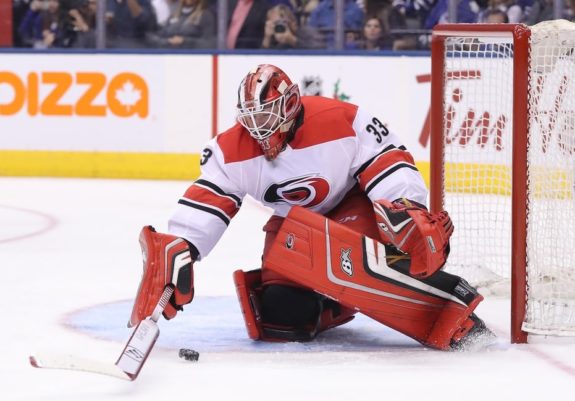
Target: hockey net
[(503, 164)]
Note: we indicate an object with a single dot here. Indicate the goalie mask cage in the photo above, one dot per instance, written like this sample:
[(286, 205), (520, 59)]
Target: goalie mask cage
[(503, 164)]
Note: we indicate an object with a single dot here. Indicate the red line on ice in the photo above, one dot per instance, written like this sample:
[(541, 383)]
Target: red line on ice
[(565, 368), (50, 223), (552, 361)]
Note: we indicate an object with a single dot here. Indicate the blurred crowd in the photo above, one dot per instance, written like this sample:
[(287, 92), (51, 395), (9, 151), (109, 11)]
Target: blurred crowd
[(259, 24)]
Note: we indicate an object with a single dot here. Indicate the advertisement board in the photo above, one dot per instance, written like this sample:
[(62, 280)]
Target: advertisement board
[(104, 102), (126, 115), (395, 89)]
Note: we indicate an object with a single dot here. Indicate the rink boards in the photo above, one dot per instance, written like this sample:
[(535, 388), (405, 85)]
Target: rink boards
[(149, 116)]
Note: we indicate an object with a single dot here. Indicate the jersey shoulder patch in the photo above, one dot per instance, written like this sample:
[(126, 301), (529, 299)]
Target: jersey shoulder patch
[(325, 120), (237, 145)]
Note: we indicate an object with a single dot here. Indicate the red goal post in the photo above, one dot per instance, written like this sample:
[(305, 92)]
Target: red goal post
[(501, 97)]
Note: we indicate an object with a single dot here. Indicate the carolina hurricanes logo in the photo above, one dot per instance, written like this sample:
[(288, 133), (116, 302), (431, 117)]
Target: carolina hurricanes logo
[(307, 191)]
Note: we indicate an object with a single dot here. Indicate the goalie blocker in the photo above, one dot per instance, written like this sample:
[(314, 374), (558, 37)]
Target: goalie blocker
[(356, 273)]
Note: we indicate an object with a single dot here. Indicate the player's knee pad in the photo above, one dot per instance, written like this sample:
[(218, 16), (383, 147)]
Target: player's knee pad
[(280, 312), (289, 306), (297, 314)]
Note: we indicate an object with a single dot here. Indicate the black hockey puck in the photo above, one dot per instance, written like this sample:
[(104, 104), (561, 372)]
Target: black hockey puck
[(189, 354)]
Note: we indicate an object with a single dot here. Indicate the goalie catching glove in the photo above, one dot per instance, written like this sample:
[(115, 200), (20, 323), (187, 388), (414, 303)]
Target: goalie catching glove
[(413, 230), (168, 261)]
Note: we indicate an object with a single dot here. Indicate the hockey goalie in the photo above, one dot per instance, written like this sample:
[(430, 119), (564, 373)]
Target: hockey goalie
[(350, 231)]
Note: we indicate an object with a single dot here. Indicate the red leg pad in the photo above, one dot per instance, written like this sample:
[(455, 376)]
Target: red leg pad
[(247, 284), (352, 269)]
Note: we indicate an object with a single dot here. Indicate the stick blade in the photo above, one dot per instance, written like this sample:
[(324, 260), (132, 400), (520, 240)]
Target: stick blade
[(130, 362), (138, 348), (73, 362)]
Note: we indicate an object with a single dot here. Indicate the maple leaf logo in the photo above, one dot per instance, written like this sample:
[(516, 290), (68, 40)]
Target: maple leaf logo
[(128, 95)]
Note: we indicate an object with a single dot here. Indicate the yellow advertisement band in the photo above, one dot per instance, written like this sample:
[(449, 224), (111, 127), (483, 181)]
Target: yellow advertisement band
[(168, 166), (460, 177), (176, 166)]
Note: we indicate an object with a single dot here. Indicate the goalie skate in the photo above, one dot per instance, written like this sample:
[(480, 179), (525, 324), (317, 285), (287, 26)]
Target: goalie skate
[(478, 337)]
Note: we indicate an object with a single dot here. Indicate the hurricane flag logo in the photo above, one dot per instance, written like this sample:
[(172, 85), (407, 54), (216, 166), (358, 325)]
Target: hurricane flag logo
[(307, 191)]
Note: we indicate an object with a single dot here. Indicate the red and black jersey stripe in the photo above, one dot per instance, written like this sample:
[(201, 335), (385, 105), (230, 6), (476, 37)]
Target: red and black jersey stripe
[(381, 166), (206, 196)]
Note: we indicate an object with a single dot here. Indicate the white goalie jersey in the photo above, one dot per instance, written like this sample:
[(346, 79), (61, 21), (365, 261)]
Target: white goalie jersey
[(336, 147)]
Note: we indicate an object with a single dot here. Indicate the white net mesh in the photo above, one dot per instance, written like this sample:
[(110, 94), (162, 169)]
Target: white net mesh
[(551, 161), (478, 145), (478, 101)]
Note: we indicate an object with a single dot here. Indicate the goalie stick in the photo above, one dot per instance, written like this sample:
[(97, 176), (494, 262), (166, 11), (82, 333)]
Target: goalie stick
[(131, 360)]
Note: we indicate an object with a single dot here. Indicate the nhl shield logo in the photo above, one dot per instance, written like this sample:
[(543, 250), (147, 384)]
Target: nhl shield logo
[(345, 262), (311, 85)]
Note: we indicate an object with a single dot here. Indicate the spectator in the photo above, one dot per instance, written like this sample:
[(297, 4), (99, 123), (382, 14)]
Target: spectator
[(83, 21), (541, 10), (19, 10), (323, 19), (374, 35), (164, 9), (394, 16), (352, 40), (282, 31), (246, 24), (415, 12), (305, 9), (467, 11), (495, 16), (128, 22), (513, 11), (30, 27), (44, 26), (192, 25)]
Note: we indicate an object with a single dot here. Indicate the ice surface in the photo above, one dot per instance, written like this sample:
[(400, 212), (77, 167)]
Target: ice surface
[(71, 263)]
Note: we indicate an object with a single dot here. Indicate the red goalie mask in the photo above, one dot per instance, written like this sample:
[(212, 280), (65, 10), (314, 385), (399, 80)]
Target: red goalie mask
[(268, 103)]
